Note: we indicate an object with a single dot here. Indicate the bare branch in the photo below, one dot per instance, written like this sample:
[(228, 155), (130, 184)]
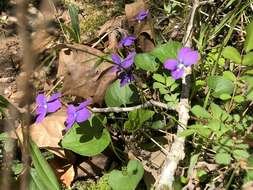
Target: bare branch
[(150, 103)]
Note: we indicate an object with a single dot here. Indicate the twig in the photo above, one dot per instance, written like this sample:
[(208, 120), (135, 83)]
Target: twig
[(177, 149), (147, 104)]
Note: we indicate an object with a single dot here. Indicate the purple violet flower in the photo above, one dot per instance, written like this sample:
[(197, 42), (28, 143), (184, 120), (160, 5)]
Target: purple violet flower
[(185, 58), (46, 105), (125, 78), (142, 15), (77, 114), (127, 41), (121, 66)]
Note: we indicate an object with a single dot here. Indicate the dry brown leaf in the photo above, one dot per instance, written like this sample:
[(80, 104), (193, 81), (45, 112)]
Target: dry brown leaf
[(48, 133), (144, 30), (83, 75), (248, 186), (64, 170), (114, 23), (114, 28), (93, 166)]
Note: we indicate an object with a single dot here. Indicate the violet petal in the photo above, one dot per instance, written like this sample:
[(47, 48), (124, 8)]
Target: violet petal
[(41, 116), (127, 41), (71, 109), (53, 106), (84, 104), (171, 64), (54, 97), (129, 60), (116, 59), (83, 115), (70, 122), (41, 100), (190, 58), (182, 53), (142, 15), (177, 74)]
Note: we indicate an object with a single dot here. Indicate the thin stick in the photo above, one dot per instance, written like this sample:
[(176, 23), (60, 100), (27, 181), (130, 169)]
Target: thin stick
[(147, 104)]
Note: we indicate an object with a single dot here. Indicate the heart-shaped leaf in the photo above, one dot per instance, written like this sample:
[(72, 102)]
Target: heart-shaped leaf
[(166, 51), (127, 179), (117, 96), (146, 62), (88, 139)]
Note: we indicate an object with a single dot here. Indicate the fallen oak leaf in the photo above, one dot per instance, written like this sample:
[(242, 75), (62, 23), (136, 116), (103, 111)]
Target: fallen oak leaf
[(64, 170), (48, 133), (84, 75), (144, 29)]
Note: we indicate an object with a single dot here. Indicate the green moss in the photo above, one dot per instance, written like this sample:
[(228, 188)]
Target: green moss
[(94, 15), (101, 184)]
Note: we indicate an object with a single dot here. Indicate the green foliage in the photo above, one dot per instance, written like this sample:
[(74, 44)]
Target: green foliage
[(88, 139), (248, 59), (200, 112), (146, 62), (232, 53), (42, 177), (136, 118), (166, 51), (128, 178), (117, 95), (167, 87), (73, 13), (220, 85), (223, 158), (248, 45)]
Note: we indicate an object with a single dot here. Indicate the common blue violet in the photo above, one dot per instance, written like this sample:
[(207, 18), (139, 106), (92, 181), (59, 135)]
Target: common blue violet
[(45, 105), (77, 114), (121, 67), (185, 58), (127, 41), (142, 15)]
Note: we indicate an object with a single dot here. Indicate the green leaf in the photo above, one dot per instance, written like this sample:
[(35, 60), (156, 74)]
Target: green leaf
[(229, 75), (35, 183), (248, 45), (88, 139), (44, 172), (129, 179), (146, 62), (167, 51), (220, 85), (240, 154), (158, 85), (158, 125), (159, 78), (73, 13), (136, 118), (223, 158), (4, 103), (225, 96), (200, 112), (193, 162), (248, 59), (239, 99), (186, 133), (232, 53), (117, 96)]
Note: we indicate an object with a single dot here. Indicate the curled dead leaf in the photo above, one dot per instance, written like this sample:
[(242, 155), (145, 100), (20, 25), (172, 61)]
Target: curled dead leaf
[(48, 133), (64, 170), (85, 73), (144, 30)]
